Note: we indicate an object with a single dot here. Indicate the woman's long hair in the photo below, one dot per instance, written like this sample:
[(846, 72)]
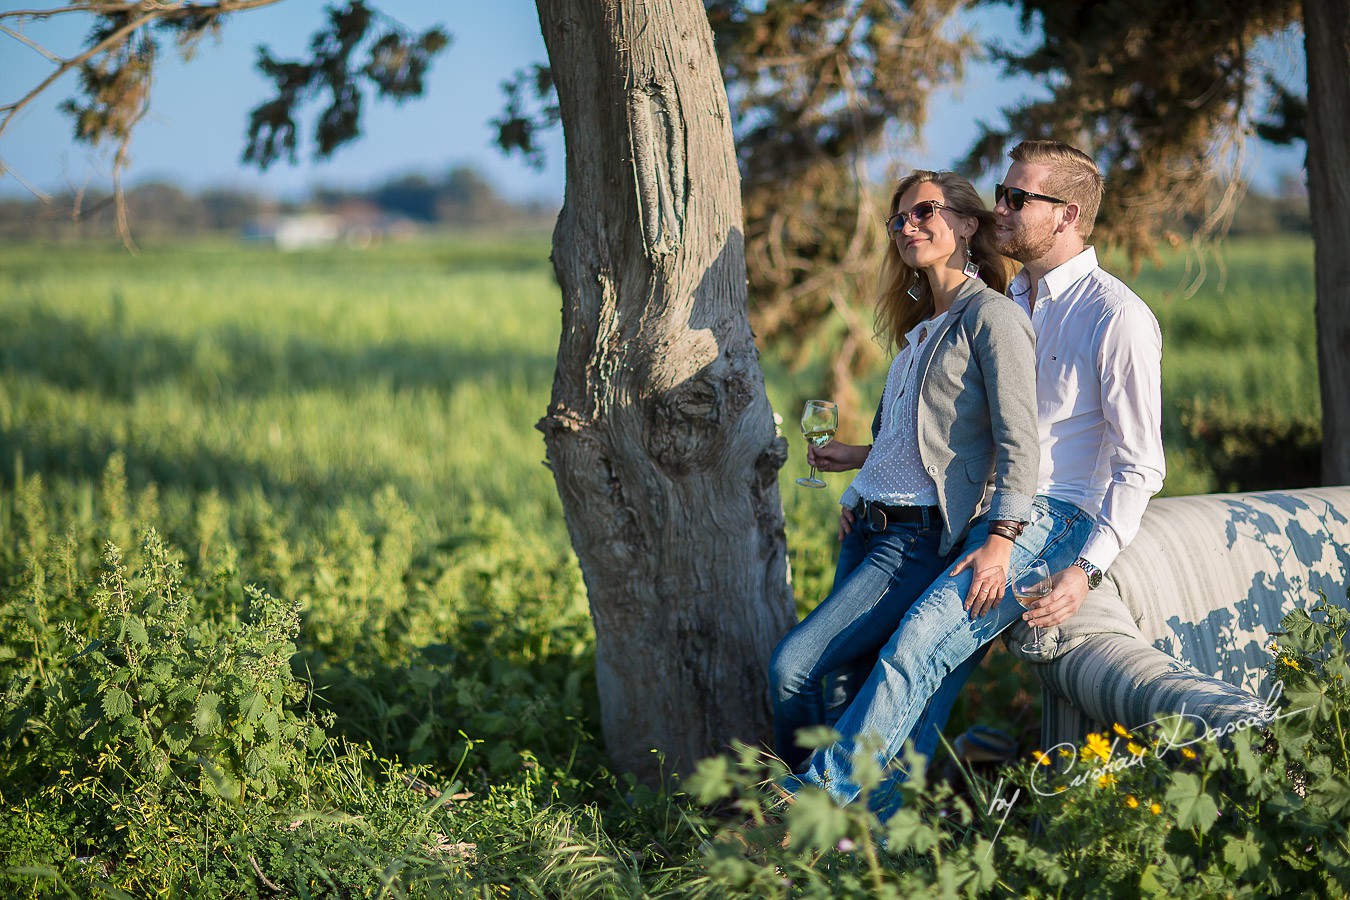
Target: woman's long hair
[(897, 311)]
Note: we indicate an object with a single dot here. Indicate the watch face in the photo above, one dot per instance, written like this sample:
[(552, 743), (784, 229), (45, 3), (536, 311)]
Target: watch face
[(1094, 575)]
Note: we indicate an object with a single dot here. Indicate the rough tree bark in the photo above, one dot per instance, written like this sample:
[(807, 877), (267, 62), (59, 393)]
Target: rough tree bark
[(1326, 29), (659, 432)]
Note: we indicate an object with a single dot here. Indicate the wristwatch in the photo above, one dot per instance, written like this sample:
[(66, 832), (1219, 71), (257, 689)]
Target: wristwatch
[(1094, 574)]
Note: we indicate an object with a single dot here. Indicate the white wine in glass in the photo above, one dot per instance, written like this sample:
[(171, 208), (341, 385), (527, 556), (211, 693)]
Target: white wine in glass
[(1030, 585), (820, 420)]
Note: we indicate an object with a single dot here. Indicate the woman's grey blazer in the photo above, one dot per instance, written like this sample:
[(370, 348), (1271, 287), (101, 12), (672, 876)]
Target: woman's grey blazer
[(977, 411)]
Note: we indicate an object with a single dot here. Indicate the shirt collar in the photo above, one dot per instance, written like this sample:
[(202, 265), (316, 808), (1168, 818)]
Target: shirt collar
[(1064, 276)]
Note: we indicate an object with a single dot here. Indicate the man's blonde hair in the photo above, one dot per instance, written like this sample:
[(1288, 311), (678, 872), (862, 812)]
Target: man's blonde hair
[(1074, 177)]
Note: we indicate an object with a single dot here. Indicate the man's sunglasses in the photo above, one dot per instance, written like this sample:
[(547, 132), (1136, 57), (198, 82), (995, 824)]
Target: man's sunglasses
[(1016, 198), (918, 214)]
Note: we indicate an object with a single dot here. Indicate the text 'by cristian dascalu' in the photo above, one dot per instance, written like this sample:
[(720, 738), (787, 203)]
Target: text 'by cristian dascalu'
[(1175, 732)]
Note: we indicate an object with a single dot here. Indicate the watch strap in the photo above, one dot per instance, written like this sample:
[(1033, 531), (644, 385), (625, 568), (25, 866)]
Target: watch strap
[(1094, 574)]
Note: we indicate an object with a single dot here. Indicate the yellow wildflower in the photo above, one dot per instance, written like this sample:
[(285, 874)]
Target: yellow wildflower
[(1188, 752), (1065, 751), (1097, 745), (1155, 808), (1136, 750), (1120, 730), (1042, 758), (1291, 663), (1106, 780), (1131, 801)]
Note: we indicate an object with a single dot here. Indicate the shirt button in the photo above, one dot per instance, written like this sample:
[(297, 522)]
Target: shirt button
[(932, 470)]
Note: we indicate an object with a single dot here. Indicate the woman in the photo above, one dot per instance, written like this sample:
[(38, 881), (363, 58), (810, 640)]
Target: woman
[(955, 439)]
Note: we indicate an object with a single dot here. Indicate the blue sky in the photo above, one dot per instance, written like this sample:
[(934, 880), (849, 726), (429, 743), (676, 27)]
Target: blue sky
[(194, 133)]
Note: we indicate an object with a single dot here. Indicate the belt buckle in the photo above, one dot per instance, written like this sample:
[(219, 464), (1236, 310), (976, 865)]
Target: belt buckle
[(876, 517)]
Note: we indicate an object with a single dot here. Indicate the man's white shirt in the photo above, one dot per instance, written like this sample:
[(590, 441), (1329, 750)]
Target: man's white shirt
[(1099, 398)]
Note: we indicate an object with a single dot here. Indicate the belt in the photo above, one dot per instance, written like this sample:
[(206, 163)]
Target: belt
[(879, 515)]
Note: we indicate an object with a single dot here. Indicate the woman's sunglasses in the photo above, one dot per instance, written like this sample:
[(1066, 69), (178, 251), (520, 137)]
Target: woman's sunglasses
[(1016, 198), (918, 215)]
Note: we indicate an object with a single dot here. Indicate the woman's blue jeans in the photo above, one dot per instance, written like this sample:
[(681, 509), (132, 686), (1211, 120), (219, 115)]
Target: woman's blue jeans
[(929, 656), (819, 664)]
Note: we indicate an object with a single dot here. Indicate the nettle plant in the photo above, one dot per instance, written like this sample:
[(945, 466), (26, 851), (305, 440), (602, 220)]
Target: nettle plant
[(168, 694)]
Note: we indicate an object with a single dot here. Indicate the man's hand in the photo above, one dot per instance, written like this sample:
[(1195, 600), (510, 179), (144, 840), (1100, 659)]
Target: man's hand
[(836, 456), (1071, 589), (845, 523), (990, 563)]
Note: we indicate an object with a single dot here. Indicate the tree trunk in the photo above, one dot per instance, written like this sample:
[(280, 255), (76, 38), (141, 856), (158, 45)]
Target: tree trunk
[(1326, 28), (660, 434)]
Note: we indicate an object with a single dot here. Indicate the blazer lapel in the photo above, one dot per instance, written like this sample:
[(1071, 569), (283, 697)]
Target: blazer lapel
[(967, 291)]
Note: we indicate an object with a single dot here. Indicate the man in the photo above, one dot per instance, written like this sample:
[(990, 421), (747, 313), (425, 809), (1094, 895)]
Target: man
[(1098, 362), (1099, 406)]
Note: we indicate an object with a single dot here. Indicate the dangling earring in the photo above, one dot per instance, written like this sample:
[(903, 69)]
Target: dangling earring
[(915, 291), (971, 269)]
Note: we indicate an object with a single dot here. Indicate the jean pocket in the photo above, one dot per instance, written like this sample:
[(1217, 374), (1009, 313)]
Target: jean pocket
[(1054, 518)]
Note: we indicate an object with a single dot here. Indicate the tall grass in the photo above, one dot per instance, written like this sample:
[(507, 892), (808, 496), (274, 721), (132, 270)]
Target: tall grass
[(314, 377)]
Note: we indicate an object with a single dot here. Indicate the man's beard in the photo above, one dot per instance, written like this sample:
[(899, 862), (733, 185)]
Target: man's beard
[(1024, 245)]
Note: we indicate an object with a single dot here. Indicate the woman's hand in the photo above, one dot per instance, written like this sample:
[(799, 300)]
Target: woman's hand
[(837, 457), (990, 563), (846, 523)]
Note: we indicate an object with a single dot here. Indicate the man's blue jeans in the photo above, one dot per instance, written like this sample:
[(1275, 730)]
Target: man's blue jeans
[(878, 577), (933, 651)]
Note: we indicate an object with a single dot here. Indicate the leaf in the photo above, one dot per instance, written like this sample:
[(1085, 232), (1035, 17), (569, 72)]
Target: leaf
[(178, 737), (984, 861), (255, 762), (815, 822), (421, 734), (116, 703), (503, 757), (1246, 760), (1242, 853), (1301, 634), (1310, 696), (1148, 883), (1329, 799), (136, 632), (711, 780), (251, 706), (906, 830), (1195, 808)]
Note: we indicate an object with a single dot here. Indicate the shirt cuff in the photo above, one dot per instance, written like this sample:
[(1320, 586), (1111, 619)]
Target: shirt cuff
[(1010, 505), (1101, 548)]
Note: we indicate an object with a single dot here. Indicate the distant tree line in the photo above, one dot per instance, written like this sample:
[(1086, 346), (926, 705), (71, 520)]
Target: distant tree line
[(462, 197)]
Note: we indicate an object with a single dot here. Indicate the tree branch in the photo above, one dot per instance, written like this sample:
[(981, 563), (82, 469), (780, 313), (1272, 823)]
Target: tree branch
[(169, 9), (25, 39), (150, 10), (12, 109)]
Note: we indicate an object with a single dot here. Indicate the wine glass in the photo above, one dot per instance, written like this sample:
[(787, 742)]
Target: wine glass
[(1033, 583), (820, 419)]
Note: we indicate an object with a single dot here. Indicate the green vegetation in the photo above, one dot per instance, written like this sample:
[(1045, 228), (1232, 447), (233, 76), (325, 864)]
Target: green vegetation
[(287, 608)]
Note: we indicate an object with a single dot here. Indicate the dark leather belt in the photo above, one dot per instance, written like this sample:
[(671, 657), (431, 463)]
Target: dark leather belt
[(879, 515)]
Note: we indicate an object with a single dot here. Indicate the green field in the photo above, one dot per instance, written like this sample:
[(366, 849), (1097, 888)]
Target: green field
[(352, 433), (314, 379)]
